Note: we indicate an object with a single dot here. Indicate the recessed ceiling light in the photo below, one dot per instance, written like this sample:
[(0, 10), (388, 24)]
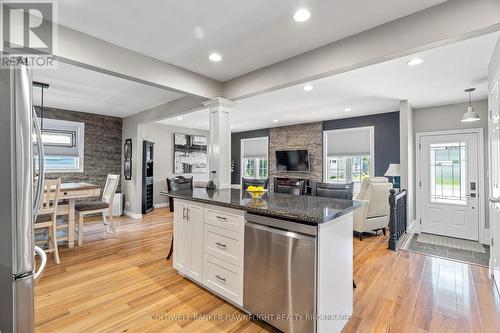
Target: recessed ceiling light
[(302, 15), (348, 110), (308, 87), (215, 57), (415, 62), (275, 120), (179, 118)]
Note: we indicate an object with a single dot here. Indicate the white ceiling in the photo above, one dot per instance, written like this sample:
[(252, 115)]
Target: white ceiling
[(441, 79), (248, 34), (79, 89)]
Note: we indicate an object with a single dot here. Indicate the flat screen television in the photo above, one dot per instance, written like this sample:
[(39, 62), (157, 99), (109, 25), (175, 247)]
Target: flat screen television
[(292, 160)]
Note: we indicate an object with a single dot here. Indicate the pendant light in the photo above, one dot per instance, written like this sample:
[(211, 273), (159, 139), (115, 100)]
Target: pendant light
[(470, 115)]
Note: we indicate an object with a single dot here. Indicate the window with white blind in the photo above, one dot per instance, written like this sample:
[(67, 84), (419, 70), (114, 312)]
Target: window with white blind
[(254, 158), (63, 143), (348, 155)]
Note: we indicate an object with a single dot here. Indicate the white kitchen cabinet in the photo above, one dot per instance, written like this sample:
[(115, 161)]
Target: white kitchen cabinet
[(188, 238)]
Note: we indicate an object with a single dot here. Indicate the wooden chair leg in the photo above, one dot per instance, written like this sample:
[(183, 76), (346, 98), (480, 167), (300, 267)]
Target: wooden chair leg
[(171, 249), (53, 239), (111, 223), (384, 231), (105, 222), (80, 229)]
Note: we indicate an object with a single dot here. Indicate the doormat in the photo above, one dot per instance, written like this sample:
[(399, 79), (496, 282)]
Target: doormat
[(455, 243)]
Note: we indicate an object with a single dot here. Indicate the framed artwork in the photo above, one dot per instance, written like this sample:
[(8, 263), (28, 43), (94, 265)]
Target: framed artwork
[(190, 154), (127, 159)]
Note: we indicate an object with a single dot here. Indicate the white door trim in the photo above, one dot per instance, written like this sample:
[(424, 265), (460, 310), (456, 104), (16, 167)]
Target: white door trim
[(483, 232)]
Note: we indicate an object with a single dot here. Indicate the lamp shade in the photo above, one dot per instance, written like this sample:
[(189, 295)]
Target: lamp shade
[(393, 171), (470, 115)]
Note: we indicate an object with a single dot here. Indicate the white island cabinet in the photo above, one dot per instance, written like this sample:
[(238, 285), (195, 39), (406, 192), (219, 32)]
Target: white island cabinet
[(297, 275), (188, 239)]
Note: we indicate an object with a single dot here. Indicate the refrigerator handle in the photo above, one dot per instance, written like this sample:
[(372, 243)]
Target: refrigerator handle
[(41, 165), (43, 262)]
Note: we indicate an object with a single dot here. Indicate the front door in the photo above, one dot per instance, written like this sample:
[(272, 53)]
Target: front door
[(494, 201), (449, 184)]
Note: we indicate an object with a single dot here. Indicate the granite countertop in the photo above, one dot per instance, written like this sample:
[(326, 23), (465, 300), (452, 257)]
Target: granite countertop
[(300, 208)]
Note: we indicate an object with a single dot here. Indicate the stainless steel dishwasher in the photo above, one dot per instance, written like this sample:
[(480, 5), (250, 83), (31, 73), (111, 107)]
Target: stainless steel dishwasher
[(280, 273)]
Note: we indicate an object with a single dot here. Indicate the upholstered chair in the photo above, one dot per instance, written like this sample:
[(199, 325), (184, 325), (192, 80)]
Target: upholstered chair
[(374, 214)]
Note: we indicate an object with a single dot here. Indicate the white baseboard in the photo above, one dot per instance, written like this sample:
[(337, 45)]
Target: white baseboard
[(161, 205), (413, 227), (135, 216)]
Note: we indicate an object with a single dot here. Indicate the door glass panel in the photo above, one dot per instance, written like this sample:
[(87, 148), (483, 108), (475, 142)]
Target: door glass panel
[(448, 170)]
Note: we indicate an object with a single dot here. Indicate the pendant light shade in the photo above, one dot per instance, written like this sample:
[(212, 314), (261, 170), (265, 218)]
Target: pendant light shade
[(470, 115)]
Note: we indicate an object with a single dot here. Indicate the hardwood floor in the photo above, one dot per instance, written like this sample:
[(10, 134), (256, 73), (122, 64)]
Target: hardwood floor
[(124, 284)]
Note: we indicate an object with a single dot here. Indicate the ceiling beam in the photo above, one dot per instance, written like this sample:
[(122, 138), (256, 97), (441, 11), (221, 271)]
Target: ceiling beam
[(96, 54), (449, 22)]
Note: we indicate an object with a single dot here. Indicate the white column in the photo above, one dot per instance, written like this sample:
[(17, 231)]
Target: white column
[(219, 142), (407, 158)]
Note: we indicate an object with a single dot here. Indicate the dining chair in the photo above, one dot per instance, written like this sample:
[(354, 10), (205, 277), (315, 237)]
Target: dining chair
[(177, 183), (47, 214), (333, 190), (290, 186), (245, 182), (95, 207)]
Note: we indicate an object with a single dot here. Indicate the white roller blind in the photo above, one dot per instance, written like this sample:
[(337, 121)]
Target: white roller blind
[(254, 147), (349, 142)]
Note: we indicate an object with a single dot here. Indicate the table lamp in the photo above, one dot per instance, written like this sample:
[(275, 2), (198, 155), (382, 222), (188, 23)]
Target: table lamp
[(395, 173)]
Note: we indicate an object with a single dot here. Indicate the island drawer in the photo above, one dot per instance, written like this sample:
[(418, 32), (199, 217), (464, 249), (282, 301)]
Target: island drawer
[(223, 278), (224, 244), (227, 218)]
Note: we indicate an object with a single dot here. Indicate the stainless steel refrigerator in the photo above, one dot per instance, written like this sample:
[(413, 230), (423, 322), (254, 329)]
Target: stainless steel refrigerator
[(20, 191)]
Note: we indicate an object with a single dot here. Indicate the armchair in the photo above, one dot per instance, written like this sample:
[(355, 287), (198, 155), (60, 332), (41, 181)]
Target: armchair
[(374, 214)]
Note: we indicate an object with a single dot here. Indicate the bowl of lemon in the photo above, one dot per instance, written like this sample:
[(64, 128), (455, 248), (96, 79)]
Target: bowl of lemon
[(256, 191)]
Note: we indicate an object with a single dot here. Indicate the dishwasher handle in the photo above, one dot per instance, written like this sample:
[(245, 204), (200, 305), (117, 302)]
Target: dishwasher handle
[(279, 231)]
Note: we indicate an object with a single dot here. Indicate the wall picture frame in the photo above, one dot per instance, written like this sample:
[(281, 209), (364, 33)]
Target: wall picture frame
[(127, 159), (190, 154)]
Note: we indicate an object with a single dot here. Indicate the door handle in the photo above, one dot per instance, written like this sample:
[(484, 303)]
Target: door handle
[(43, 262), (188, 214), (183, 213), (41, 165), (221, 218), (221, 245), (494, 200)]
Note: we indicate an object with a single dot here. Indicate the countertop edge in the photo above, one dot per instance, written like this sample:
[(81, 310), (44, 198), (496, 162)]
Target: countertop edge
[(281, 215)]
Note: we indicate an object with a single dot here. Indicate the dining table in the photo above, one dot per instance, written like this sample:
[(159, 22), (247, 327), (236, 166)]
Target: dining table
[(70, 193)]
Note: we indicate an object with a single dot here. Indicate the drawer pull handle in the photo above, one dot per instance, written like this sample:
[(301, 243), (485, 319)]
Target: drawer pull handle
[(220, 278), (222, 218), (221, 245)]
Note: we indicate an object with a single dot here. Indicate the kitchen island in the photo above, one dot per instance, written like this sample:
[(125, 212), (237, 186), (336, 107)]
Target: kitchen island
[(285, 259)]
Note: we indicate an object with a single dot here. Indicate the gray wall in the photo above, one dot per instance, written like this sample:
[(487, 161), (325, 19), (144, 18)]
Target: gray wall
[(303, 136), (448, 117), (386, 136), (132, 129), (163, 137), (236, 150), (102, 149), (310, 136)]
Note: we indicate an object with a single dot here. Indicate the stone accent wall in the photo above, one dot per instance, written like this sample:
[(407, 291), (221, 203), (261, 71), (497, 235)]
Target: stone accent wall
[(303, 136), (102, 150)]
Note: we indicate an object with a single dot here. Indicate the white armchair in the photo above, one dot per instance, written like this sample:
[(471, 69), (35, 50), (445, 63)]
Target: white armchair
[(374, 214)]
